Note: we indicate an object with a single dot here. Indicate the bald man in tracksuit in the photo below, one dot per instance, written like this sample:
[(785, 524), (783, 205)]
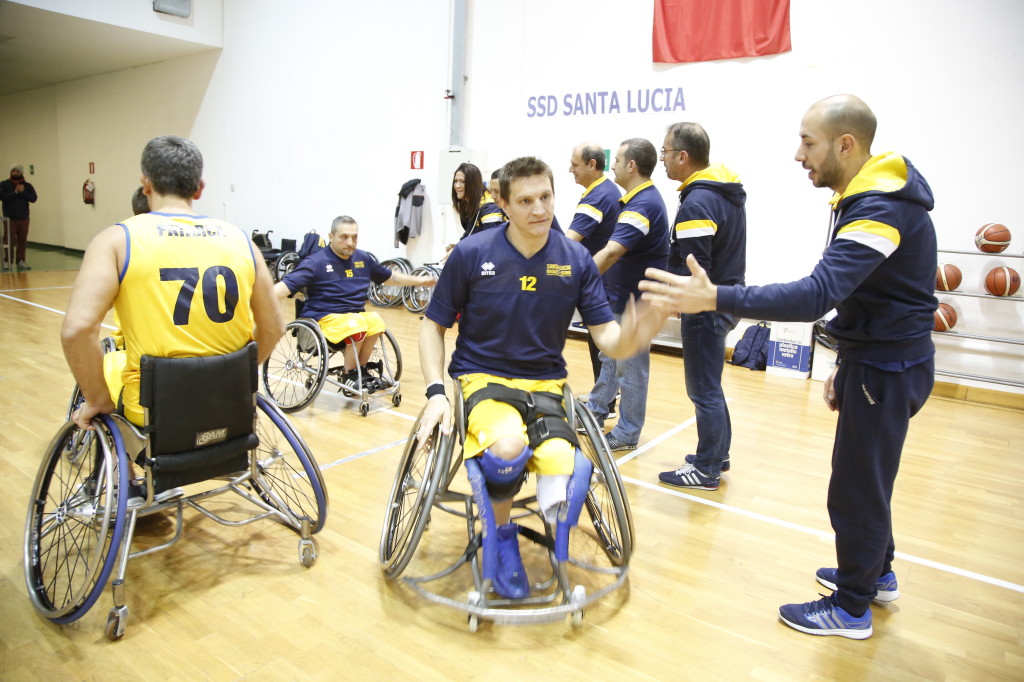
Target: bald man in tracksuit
[(878, 271)]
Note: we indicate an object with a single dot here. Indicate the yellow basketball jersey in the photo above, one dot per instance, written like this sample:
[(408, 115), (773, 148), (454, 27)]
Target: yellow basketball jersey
[(186, 287)]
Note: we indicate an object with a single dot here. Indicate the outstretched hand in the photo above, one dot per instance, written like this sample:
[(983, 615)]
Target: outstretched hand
[(677, 294)]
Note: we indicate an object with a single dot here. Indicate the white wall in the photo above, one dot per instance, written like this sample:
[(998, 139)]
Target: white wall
[(945, 78), (202, 26), (315, 108)]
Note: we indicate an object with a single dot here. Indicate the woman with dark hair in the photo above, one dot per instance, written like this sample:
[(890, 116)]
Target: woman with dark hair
[(476, 209)]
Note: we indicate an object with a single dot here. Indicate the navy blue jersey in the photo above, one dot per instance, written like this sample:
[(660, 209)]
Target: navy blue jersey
[(515, 311), (643, 230), (334, 285), (597, 214)]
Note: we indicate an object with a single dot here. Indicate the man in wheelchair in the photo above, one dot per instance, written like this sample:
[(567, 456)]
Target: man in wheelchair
[(336, 280), (514, 290), (181, 285)]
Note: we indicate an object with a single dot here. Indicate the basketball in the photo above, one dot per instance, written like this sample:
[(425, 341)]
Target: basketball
[(992, 238), (948, 277), (1002, 281), (945, 318)]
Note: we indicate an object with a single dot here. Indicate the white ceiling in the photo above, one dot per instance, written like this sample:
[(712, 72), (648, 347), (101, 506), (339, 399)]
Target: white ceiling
[(40, 48)]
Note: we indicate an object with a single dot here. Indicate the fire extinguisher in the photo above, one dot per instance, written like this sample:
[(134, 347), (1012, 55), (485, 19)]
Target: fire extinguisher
[(89, 192)]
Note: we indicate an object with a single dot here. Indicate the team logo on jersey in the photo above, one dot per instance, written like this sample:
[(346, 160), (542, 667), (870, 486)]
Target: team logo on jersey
[(556, 270), (487, 269), (330, 268), (358, 264)]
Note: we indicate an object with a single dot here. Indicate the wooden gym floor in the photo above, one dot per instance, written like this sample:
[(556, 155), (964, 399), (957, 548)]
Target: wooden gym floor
[(709, 571)]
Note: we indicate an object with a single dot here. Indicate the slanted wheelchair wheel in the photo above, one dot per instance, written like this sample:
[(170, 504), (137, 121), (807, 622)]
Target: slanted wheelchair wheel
[(416, 299), (412, 496), (75, 520), (386, 358), (295, 372), (284, 264), (606, 502), (286, 476)]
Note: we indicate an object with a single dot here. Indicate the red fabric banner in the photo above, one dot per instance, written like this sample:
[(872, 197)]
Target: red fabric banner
[(704, 30)]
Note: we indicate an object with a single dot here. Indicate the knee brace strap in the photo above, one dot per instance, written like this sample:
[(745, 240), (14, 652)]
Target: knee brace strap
[(504, 476)]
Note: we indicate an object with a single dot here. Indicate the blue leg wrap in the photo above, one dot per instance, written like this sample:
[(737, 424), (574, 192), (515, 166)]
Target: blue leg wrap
[(569, 511), (504, 476), (483, 505)]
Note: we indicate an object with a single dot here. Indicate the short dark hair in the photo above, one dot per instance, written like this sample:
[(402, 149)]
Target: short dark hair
[(342, 220), (593, 153), (140, 202), (495, 173), (523, 167), (643, 153), (173, 165), (693, 139)]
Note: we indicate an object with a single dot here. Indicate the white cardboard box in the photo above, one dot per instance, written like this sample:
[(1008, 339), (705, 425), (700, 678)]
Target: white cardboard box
[(789, 349), (822, 362)]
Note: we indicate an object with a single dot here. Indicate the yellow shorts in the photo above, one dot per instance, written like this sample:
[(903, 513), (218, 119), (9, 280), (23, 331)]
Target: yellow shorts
[(113, 372), (492, 420), (339, 327)]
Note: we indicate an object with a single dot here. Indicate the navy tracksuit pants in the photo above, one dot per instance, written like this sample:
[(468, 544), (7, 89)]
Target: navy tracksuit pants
[(875, 407)]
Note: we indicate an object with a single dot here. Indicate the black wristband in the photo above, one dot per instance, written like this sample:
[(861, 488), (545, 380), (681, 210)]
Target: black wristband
[(435, 389)]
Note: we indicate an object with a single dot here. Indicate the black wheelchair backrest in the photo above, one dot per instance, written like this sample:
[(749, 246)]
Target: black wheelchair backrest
[(201, 411)]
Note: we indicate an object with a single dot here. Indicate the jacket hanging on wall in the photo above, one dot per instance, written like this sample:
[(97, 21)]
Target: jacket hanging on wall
[(409, 211)]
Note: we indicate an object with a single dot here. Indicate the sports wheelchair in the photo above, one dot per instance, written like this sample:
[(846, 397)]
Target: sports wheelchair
[(599, 555), (280, 261), (83, 510), (300, 365)]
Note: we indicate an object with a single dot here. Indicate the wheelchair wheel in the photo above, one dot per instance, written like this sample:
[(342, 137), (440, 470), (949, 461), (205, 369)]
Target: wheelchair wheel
[(287, 476), (386, 359), (416, 299), (295, 372), (606, 502), (412, 495), (389, 295), (284, 264), (75, 520)]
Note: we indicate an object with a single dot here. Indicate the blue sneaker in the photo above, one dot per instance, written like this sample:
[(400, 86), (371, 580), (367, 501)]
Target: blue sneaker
[(887, 588), (826, 617), (687, 476), (510, 579), (690, 459)]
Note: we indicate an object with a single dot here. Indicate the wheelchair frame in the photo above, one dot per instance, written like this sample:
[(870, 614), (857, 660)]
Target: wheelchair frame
[(423, 482), (279, 261), (300, 366), (79, 522)]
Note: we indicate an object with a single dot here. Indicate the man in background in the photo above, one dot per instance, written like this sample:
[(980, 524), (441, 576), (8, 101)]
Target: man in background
[(711, 224), (16, 194), (595, 217), (639, 241)]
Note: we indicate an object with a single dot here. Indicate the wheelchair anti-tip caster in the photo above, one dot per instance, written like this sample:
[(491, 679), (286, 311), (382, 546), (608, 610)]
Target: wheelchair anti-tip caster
[(117, 622), (396, 399), (579, 595), (307, 552), (475, 598), (364, 409)]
